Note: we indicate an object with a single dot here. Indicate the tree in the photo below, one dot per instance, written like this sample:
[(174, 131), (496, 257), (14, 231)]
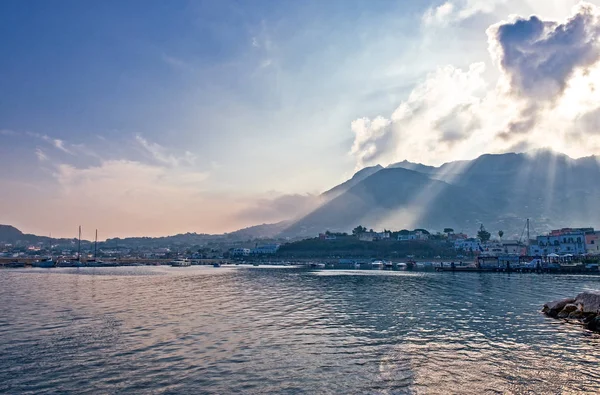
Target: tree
[(500, 234), (358, 230), (448, 231), (483, 234)]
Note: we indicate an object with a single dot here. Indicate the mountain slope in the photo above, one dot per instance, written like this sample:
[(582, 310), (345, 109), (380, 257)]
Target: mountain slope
[(500, 191), (357, 178), (392, 198)]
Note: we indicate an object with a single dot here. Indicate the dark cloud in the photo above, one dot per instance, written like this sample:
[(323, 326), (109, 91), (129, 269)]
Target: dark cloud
[(540, 57)]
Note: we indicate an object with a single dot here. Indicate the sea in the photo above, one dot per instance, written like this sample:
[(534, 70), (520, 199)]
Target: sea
[(289, 330)]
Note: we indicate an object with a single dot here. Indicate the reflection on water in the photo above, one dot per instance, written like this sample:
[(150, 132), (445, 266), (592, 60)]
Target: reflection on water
[(261, 330)]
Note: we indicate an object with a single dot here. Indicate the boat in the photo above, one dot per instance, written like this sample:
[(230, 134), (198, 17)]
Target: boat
[(71, 263), (95, 263), (255, 264), (15, 264), (357, 265), (402, 266), (315, 265), (377, 264), (74, 262), (44, 263), (216, 264), (181, 263), (388, 264)]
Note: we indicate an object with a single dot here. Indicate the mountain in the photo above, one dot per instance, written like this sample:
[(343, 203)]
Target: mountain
[(501, 191), (357, 178), (10, 233), (413, 166), (264, 231)]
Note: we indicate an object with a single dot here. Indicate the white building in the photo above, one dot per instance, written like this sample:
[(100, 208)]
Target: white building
[(563, 241), (468, 245), (416, 235), (240, 252)]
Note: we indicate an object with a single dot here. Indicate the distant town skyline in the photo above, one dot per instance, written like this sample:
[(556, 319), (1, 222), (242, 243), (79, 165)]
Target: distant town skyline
[(155, 118)]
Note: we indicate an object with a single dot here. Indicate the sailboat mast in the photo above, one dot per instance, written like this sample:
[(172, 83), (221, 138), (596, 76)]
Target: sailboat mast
[(528, 238), (79, 246), (96, 245)]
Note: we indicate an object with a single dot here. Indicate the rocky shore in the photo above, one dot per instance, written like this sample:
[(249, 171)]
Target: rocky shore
[(584, 309)]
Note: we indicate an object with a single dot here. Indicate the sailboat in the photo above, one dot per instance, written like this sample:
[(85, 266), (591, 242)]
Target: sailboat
[(74, 262), (94, 262), (46, 263)]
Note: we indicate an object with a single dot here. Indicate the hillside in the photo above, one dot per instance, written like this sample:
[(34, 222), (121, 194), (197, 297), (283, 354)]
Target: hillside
[(500, 191)]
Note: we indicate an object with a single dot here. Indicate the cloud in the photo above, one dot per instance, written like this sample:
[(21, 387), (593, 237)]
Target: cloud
[(545, 96), (160, 154), (41, 155), (539, 57), (589, 123), (284, 207), (439, 112), (368, 134), (60, 145), (456, 11), (8, 132)]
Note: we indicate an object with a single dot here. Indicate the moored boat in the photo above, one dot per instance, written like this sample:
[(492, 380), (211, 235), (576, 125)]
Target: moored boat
[(377, 264), (44, 263), (181, 263)]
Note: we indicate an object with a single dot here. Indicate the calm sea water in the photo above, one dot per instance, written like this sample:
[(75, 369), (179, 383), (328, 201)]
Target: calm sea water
[(285, 330)]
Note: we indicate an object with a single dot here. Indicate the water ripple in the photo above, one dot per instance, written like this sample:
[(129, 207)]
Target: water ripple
[(264, 330)]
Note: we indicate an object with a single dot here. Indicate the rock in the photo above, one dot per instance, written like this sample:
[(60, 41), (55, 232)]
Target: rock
[(562, 314), (553, 308), (590, 301), (570, 308), (576, 315), (594, 324)]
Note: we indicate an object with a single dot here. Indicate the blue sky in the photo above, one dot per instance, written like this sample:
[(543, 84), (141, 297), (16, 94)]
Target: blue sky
[(196, 114)]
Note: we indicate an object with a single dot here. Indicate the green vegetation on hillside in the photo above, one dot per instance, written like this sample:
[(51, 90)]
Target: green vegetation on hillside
[(351, 247)]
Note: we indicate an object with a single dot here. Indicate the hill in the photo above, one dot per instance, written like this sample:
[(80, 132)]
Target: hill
[(500, 191)]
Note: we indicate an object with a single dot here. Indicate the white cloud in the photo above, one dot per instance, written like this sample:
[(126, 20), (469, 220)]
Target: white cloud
[(160, 154), (546, 97), (60, 145), (39, 153), (458, 10)]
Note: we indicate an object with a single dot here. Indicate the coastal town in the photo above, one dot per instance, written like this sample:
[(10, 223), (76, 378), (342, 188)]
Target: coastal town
[(566, 249)]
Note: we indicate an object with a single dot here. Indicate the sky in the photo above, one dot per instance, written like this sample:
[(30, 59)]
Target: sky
[(162, 117)]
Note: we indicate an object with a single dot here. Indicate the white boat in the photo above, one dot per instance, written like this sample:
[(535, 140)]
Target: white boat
[(377, 264), (357, 265), (388, 264), (402, 266), (181, 263), (317, 265)]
